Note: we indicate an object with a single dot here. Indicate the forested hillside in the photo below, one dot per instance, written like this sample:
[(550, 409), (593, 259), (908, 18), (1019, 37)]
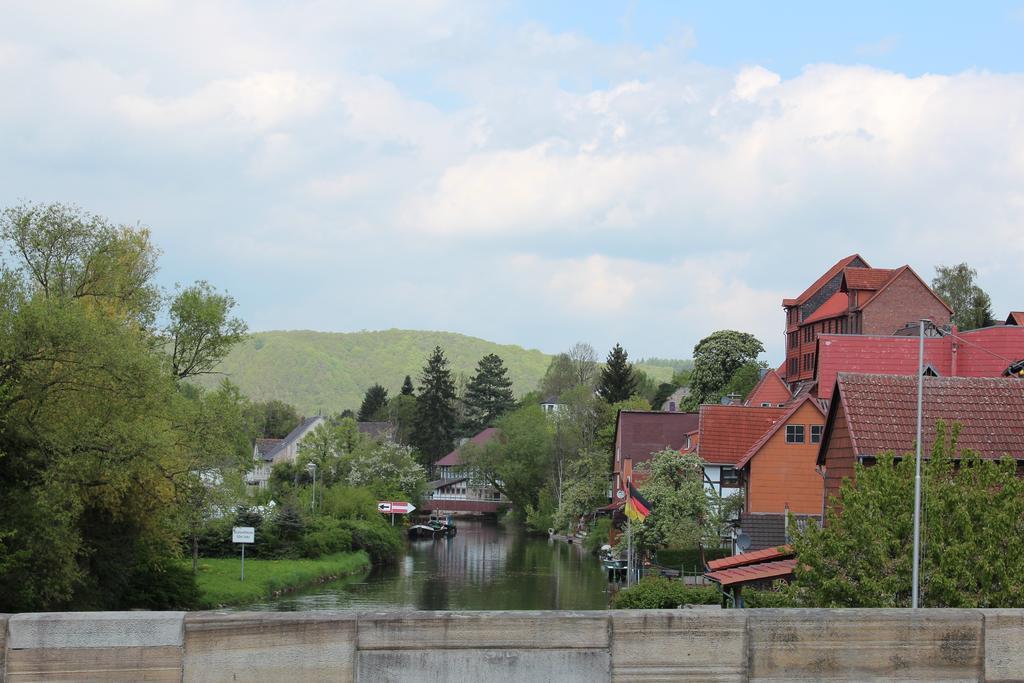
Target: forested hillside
[(330, 371)]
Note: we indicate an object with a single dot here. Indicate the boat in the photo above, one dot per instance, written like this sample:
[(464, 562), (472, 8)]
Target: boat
[(433, 528)]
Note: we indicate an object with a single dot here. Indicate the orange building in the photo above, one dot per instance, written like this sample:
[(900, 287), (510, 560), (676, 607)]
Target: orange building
[(778, 472)]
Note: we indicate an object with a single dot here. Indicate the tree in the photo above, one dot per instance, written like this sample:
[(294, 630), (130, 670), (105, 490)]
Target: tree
[(201, 330), (618, 382), (681, 516), (435, 409), (744, 379), (517, 461), (665, 389), (583, 359), (716, 358), (971, 306), (489, 393), (402, 414), (272, 419), (407, 389), (559, 377), (374, 406), (971, 512)]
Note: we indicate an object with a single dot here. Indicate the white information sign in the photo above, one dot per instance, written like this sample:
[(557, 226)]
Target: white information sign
[(243, 534)]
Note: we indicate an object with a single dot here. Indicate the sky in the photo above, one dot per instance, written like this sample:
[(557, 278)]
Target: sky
[(533, 173)]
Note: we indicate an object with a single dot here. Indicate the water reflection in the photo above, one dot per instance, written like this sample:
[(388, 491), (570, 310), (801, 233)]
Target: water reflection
[(482, 567)]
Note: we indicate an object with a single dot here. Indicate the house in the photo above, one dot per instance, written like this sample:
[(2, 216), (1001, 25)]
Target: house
[(551, 404), (779, 474), (641, 433), (853, 298), (1015, 318), (259, 475), (378, 431), (770, 391), (983, 352), (675, 400), (456, 489), (269, 452), (874, 414), (724, 435)]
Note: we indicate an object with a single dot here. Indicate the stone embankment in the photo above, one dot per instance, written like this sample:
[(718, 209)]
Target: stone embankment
[(662, 645)]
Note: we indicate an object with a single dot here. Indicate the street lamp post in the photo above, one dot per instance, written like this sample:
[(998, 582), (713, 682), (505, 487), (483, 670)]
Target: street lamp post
[(917, 469), (312, 470)]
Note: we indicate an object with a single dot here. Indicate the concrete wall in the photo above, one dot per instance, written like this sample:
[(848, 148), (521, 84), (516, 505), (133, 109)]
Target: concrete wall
[(755, 646)]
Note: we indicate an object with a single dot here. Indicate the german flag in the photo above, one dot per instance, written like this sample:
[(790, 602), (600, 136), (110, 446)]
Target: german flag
[(637, 507)]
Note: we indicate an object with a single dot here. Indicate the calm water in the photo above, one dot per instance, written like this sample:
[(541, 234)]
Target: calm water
[(483, 567)]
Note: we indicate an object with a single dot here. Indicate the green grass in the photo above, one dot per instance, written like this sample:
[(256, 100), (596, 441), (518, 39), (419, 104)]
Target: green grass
[(331, 371), (219, 583)]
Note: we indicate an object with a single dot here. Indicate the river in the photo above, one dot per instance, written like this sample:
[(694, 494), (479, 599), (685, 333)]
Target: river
[(483, 567)]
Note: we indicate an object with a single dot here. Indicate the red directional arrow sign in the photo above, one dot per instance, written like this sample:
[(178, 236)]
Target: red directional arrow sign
[(395, 507)]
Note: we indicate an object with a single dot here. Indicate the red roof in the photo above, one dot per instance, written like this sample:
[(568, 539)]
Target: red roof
[(1015, 318), (836, 305), (752, 451), (770, 389), (752, 558), (823, 280), (454, 460), (985, 352), (756, 572), (728, 432), (866, 278), (881, 413), (639, 433)]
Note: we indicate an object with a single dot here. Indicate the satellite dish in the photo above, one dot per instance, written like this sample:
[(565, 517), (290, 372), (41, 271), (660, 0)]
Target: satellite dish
[(620, 494), (742, 542)]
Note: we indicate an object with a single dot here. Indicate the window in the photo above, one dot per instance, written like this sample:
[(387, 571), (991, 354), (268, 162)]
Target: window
[(730, 477), (792, 367), (794, 340), (816, 432), (766, 405), (794, 433), (809, 333)]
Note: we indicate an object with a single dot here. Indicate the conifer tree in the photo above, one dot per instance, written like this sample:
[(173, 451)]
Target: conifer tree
[(435, 409), (407, 389), (618, 382), (375, 404), (488, 394)]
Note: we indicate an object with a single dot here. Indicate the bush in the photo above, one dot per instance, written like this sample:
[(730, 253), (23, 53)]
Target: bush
[(598, 535), (381, 542), (325, 536), (659, 593), (777, 596), (165, 586), (687, 557)]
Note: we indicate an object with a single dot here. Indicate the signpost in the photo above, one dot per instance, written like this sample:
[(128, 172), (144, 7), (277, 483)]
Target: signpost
[(393, 508), (243, 535)]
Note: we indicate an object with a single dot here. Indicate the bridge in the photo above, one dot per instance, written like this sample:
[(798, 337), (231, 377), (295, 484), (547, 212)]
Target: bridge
[(765, 645)]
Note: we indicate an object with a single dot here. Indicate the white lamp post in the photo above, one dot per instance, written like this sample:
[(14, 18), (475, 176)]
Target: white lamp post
[(312, 470), (917, 468)]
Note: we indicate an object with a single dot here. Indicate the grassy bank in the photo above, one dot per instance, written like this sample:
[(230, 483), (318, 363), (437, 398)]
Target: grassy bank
[(219, 583)]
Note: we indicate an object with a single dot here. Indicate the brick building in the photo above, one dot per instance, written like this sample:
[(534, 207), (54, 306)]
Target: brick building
[(641, 433), (874, 414), (853, 298)]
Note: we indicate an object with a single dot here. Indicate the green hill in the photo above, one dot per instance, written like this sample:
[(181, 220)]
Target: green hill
[(331, 371)]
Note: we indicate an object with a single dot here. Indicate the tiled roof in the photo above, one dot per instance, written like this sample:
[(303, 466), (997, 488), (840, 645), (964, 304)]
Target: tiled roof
[(881, 413), (264, 447), (453, 459), (752, 451), (770, 389), (866, 278), (294, 435), (985, 352), (766, 555), (1015, 318), (821, 281), (728, 432), (640, 433), (837, 304), (756, 572)]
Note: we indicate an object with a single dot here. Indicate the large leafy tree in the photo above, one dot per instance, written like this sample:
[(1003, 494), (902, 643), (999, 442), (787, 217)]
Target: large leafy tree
[(100, 445), (374, 406), (272, 419), (201, 330), (716, 360), (971, 519), (488, 393), (681, 515), (618, 381), (559, 378), (971, 306), (584, 363), (434, 428)]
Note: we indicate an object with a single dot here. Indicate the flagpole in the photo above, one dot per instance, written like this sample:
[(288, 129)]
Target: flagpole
[(629, 551)]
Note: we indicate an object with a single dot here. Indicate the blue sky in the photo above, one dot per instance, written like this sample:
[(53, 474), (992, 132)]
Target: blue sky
[(532, 173)]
